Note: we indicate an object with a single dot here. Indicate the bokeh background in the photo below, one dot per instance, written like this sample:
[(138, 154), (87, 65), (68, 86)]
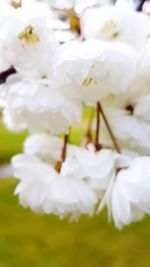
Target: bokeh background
[(28, 239)]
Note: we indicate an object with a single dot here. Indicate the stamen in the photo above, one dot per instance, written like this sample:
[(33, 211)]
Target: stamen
[(29, 35), (87, 82), (16, 4)]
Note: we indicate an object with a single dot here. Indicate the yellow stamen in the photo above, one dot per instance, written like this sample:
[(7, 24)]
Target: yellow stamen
[(110, 28), (28, 35), (87, 82)]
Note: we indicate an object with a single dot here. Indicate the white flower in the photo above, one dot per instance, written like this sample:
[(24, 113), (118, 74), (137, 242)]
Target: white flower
[(146, 7), (78, 5), (31, 50), (128, 197), (35, 9), (143, 64), (8, 19), (38, 106), (65, 36), (82, 5), (128, 116), (3, 64), (96, 166), (68, 4), (6, 2), (35, 178), (10, 2), (94, 69), (26, 40), (44, 190), (44, 146), (28, 8), (116, 23)]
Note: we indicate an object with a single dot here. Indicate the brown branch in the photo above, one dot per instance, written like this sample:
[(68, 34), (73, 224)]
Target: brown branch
[(5, 74), (64, 149), (59, 163), (88, 137), (140, 5), (117, 148), (97, 144)]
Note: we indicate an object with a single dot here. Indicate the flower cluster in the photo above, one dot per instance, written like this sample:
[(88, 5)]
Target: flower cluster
[(56, 61)]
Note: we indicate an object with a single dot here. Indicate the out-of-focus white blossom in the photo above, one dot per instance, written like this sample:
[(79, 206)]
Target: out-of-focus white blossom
[(143, 64), (116, 23), (78, 5), (28, 8), (146, 7), (8, 20), (128, 196), (35, 9)]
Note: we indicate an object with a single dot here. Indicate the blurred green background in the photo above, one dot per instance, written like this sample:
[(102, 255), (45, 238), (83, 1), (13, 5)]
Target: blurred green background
[(27, 239)]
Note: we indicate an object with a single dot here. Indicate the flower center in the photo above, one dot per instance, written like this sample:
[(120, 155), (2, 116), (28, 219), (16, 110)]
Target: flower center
[(29, 35), (15, 3), (91, 78), (110, 29), (87, 82)]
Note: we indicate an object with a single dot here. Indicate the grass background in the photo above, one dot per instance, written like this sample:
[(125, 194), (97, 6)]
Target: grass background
[(27, 239)]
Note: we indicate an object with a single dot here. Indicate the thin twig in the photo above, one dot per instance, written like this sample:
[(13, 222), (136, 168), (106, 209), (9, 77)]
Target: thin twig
[(64, 149), (88, 138), (97, 144), (109, 130), (59, 163), (5, 74), (140, 5)]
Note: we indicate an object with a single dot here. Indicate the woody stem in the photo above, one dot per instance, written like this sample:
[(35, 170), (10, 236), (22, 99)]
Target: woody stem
[(140, 5), (117, 148), (88, 138), (97, 145), (5, 74), (64, 148), (59, 163)]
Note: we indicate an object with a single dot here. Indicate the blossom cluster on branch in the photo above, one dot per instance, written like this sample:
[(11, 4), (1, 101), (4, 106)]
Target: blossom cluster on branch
[(56, 60)]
